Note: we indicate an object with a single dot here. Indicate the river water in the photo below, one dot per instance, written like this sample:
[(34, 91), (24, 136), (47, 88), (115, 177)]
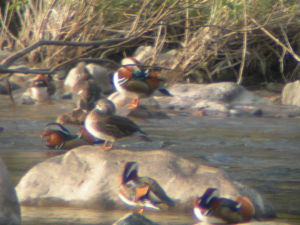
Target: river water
[(263, 153)]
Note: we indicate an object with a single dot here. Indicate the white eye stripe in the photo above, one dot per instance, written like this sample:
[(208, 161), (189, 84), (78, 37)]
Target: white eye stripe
[(122, 81)]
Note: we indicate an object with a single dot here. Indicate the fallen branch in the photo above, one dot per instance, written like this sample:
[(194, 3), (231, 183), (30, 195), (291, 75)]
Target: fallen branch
[(9, 60), (26, 70)]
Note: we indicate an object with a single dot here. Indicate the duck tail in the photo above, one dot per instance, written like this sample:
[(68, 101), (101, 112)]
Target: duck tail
[(144, 136), (247, 209), (164, 91)]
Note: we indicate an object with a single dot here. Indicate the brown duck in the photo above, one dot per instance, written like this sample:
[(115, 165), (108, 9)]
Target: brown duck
[(103, 124)]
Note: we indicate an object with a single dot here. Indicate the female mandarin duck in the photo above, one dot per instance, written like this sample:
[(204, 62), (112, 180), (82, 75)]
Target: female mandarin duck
[(103, 124), (84, 88), (77, 74), (41, 88), (212, 209), (85, 135), (142, 192), (134, 82)]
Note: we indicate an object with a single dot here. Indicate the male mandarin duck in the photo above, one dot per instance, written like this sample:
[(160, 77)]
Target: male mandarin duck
[(41, 88), (134, 82), (215, 210), (142, 192), (57, 138), (103, 124), (62, 138)]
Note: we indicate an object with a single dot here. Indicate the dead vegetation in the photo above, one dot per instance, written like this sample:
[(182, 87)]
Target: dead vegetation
[(246, 41)]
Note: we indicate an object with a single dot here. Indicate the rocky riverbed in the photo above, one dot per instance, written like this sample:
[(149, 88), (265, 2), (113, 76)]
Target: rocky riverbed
[(255, 144)]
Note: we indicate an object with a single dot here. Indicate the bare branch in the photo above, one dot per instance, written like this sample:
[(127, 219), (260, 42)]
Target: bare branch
[(278, 42), (9, 60), (26, 70)]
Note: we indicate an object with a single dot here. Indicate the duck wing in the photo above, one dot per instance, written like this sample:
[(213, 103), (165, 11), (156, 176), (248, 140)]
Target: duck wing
[(155, 194), (138, 86), (119, 126)]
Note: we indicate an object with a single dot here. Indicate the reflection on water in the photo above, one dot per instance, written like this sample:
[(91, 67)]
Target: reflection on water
[(260, 152), (76, 216)]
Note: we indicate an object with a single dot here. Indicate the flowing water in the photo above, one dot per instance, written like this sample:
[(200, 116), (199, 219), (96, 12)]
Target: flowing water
[(260, 152)]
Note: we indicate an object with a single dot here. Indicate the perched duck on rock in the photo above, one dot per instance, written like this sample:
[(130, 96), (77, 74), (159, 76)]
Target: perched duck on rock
[(134, 82), (103, 124), (215, 210), (142, 192)]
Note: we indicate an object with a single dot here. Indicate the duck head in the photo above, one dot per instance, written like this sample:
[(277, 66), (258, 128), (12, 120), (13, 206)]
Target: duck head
[(105, 106), (54, 138), (205, 200), (132, 68), (39, 81)]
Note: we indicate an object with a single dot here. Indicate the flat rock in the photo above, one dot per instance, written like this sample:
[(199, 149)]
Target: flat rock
[(89, 176), (134, 219), (10, 213), (219, 97)]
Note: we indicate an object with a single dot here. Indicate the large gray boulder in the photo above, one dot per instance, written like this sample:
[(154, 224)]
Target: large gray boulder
[(10, 213), (90, 176), (215, 97), (291, 94)]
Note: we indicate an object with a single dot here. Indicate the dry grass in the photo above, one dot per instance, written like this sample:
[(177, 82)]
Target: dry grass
[(241, 40)]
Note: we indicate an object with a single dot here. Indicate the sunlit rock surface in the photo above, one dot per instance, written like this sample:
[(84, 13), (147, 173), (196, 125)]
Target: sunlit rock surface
[(212, 98), (134, 219), (290, 94), (149, 107), (9, 207), (89, 176)]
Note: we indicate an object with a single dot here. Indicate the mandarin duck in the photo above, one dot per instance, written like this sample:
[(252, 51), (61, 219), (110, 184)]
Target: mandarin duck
[(103, 124), (134, 82), (86, 93), (41, 88), (57, 138), (215, 210), (79, 72), (142, 192), (62, 138), (83, 86)]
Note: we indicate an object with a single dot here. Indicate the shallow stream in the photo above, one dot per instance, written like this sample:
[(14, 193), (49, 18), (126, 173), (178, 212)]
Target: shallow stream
[(263, 153)]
